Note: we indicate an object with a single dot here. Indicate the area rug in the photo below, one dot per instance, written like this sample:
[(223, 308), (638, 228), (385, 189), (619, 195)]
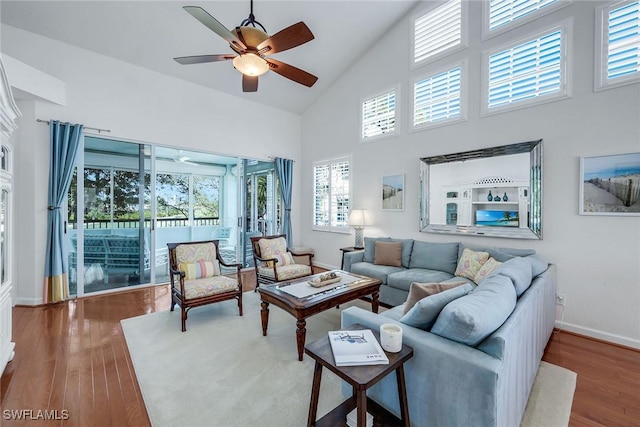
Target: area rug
[(223, 372)]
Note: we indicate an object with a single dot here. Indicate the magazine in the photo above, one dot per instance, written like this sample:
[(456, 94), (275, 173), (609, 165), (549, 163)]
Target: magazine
[(356, 347)]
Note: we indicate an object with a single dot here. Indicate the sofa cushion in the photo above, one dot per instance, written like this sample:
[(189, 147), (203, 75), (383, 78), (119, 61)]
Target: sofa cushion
[(486, 269), (424, 313), (418, 291), (370, 248), (376, 271), (434, 256), (470, 263), (402, 279), (518, 270), (538, 264), (473, 317), (499, 254), (388, 253)]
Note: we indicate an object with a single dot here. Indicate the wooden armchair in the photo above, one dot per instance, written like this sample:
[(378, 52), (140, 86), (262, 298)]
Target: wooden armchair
[(275, 262), (196, 278)]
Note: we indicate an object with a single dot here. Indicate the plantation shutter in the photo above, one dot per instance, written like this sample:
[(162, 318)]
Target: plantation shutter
[(437, 31), (502, 12), (379, 115), (623, 41), (321, 195), (331, 191), (339, 194), (526, 71), (437, 97)]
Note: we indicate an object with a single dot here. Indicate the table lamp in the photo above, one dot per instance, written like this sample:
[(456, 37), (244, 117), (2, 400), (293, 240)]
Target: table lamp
[(357, 221)]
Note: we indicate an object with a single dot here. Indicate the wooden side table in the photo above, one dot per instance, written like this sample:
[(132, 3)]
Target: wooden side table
[(360, 378), (348, 249)]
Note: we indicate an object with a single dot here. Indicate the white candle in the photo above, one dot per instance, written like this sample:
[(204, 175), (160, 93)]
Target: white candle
[(391, 337)]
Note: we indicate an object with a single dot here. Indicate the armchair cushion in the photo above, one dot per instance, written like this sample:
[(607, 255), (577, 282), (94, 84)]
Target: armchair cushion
[(199, 269), (199, 288), (269, 248)]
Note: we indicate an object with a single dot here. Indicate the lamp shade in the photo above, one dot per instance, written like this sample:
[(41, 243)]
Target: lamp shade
[(356, 218)]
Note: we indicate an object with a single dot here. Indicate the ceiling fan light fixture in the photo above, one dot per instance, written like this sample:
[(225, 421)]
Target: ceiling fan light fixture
[(250, 64)]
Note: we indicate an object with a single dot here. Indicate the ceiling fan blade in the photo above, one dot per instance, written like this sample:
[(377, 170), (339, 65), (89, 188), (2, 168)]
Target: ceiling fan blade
[(200, 59), (212, 23), (292, 73), (288, 38), (249, 83)]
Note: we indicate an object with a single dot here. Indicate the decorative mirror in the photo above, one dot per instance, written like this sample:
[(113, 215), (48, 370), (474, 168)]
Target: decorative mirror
[(494, 192)]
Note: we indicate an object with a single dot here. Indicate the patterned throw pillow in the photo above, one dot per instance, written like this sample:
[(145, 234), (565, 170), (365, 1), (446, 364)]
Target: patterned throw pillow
[(284, 259), (486, 268), (199, 269), (470, 263)]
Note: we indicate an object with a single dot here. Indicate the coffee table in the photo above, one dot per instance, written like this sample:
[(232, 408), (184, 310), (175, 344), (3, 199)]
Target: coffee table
[(282, 294)]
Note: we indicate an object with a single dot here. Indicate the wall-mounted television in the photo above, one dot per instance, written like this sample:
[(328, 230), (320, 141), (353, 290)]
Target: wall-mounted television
[(497, 218)]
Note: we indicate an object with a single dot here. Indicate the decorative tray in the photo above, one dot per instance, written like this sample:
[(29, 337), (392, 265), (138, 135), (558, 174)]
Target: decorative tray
[(317, 283)]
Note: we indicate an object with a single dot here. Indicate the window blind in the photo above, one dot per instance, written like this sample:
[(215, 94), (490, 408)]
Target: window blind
[(379, 115), (502, 12), (529, 70), (623, 41), (331, 191), (437, 98), (437, 31)]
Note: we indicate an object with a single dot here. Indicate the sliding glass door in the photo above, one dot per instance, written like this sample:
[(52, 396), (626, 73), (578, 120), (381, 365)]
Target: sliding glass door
[(128, 200), (109, 217)]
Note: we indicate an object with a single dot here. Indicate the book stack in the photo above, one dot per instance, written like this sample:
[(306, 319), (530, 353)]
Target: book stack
[(352, 419), (357, 347)]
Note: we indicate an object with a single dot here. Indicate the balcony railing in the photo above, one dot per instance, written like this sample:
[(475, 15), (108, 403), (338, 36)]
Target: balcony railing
[(130, 223)]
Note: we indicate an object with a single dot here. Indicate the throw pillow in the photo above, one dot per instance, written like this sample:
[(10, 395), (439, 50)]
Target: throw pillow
[(470, 263), (284, 259), (388, 253), (486, 269), (419, 291), (425, 312), (199, 269)]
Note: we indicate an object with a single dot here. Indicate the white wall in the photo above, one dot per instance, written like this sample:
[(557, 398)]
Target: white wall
[(135, 104), (598, 257)]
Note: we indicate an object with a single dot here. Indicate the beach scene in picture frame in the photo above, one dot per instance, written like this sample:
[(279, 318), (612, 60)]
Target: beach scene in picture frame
[(393, 192), (610, 185)]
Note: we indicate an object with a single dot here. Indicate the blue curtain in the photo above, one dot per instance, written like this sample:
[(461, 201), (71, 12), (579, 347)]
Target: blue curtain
[(65, 140), (284, 169)]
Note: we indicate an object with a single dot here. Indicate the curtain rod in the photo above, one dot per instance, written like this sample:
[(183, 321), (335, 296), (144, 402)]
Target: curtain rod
[(85, 127)]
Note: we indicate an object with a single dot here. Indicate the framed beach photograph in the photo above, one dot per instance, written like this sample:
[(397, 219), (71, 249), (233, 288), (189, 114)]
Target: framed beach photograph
[(610, 185), (393, 192)]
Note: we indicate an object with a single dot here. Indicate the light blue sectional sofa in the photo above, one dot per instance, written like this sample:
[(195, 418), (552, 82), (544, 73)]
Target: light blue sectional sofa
[(476, 365)]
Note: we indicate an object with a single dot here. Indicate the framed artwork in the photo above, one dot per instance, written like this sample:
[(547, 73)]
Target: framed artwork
[(610, 185), (393, 192)]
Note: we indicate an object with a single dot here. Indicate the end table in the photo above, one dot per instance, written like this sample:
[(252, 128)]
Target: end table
[(360, 378), (348, 249)]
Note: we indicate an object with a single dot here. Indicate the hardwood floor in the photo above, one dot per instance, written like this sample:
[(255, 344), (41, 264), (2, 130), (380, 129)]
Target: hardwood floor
[(73, 357)]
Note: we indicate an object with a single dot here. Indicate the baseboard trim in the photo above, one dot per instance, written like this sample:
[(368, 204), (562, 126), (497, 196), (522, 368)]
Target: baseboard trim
[(599, 335)]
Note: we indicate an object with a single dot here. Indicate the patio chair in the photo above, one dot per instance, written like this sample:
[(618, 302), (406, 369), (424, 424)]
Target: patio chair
[(275, 262), (196, 279)]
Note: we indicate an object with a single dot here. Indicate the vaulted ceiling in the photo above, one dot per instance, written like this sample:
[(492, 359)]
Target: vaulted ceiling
[(151, 33)]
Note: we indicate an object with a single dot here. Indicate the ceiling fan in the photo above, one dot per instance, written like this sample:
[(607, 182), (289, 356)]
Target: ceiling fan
[(253, 47), (181, 158)]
